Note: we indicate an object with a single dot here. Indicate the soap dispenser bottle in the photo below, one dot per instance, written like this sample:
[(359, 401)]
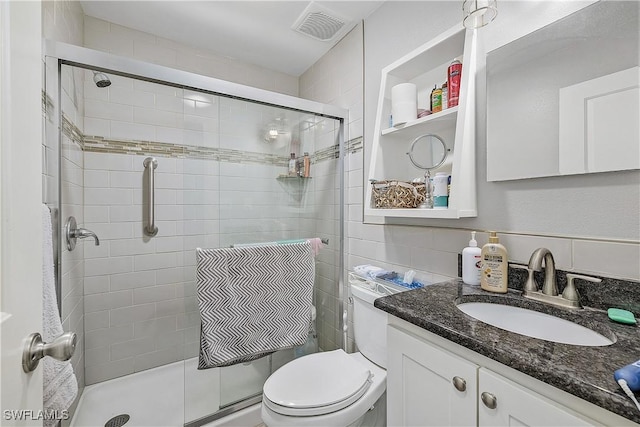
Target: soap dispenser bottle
[(495, 262), (471, 262)]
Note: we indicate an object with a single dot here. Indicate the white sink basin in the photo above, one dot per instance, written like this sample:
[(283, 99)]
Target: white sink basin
[(534, 324)]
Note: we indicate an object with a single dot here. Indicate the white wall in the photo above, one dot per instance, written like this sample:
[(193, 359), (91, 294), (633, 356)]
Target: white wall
[(564, 214), (63, 21), (561, 206), (112, 38), (337, 79), (21, 128)]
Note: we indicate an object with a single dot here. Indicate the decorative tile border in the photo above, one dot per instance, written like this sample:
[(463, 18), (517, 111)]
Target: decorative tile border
[(98, 144), (47, 103), (72, 132), (354, 145)]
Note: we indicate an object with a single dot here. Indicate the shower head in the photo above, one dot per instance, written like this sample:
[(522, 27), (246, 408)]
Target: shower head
[(101, 79)]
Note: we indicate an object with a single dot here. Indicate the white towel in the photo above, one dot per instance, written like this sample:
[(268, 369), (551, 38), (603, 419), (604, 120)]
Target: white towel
[(60, 384), (253, 301)]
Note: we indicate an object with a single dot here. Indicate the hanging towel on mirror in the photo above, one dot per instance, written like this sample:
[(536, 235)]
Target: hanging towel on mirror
[(59, 381), (253, 301)]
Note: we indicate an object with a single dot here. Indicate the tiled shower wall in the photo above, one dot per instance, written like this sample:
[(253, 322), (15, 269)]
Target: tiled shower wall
[(140, 304), (249, 184), (64, 21), (337, 78), (71, 196)]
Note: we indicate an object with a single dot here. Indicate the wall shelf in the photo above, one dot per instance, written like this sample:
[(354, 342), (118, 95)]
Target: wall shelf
[(432, 123), (427, 66)]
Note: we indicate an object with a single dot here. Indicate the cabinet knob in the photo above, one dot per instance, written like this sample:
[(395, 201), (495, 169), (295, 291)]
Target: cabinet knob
[(459, 383), (489, 400)]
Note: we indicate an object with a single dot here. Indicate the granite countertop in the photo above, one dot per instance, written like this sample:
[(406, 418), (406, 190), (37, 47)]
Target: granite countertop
[(586, 372)]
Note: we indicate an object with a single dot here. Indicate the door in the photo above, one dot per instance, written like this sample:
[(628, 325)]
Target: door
[(428, 386), (20, 208), (504, 403)]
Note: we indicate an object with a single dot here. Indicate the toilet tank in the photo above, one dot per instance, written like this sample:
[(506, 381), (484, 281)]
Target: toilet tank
[(369, 323)]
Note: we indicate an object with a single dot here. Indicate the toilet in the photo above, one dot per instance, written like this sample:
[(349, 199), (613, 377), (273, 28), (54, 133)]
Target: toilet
[(334, 388)]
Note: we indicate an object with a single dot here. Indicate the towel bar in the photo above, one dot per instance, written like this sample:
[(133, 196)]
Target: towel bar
[(324, 240)]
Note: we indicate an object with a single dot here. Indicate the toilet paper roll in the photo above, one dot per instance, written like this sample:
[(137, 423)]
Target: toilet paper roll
[(404, 104)]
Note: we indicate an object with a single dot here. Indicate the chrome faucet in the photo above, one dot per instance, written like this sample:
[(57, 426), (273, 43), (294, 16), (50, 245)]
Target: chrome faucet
[(82, 233), (550, 286), (72, 232), (570, 297)]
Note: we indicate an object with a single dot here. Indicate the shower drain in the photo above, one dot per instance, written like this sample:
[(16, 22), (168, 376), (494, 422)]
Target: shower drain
[(117, 421)]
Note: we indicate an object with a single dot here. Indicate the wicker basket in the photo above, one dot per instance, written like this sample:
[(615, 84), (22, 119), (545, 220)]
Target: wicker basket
[(397, 194)]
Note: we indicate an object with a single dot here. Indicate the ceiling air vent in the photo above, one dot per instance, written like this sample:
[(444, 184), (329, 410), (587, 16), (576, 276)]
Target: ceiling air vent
[(320, 23)]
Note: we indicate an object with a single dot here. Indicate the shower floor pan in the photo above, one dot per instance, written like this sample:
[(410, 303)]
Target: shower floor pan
[(152, 398)]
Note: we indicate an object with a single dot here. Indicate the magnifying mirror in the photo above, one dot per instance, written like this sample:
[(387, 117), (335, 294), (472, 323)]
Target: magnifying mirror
[(427, 152)]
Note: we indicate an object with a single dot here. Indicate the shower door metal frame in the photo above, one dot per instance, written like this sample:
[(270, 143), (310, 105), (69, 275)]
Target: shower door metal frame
[(106, 62), (62, 53)]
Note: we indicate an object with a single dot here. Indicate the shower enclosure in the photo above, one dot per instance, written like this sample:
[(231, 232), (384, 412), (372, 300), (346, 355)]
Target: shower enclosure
[(129, 143)]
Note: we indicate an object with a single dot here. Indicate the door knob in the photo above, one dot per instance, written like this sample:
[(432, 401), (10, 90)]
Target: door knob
[(62, 348)]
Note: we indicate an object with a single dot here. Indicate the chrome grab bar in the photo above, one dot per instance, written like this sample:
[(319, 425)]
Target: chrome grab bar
[(150, 229)]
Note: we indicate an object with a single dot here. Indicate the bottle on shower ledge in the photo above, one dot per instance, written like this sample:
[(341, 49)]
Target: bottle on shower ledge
[(292, 165), (306, 169)]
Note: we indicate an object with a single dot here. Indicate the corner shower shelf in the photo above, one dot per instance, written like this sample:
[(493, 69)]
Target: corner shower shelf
[(426, 66)]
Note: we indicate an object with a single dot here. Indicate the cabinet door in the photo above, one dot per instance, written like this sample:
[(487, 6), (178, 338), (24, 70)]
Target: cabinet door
[(518, 406), (420, 384)]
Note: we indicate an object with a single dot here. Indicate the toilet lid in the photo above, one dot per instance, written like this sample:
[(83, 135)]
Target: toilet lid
[(317, 384)]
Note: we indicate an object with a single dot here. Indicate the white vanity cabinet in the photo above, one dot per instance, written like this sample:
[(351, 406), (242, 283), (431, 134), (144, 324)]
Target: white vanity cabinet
[(517, 405), (427, 66), (422, 391)]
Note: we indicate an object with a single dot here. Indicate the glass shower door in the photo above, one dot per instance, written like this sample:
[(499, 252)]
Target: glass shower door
[(260, 201)]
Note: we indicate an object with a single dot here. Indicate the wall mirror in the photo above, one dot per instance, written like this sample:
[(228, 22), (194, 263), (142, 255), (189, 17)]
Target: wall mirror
[(565, 99)]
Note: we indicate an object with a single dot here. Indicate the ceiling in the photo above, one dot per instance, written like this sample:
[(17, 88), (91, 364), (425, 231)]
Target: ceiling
[(257, 32)]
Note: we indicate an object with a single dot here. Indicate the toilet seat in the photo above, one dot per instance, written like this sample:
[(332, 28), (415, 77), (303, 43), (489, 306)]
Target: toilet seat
[(317, 384)]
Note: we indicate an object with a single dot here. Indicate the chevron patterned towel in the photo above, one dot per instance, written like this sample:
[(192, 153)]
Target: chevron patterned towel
[(252, 301)]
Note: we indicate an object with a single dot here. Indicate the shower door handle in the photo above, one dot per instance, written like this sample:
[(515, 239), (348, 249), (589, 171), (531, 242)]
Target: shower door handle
[(150, 164)]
